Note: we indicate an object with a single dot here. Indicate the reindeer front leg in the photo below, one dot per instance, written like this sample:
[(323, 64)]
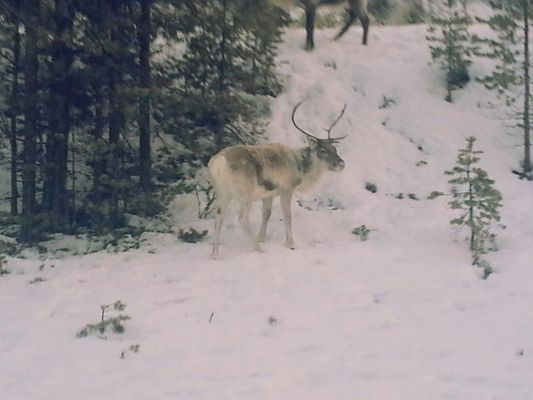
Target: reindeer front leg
[(285, 200)]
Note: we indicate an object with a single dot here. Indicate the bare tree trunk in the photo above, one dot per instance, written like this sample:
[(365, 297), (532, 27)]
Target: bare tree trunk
[(55, 199), (223, 56), (145, 164), (449, 55), (98, 85), (526, 120), (115, 118), (98, 133), (31, 115), (13, 129)]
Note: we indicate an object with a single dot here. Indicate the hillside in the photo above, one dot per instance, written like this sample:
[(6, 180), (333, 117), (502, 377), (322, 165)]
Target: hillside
[(402, 315)]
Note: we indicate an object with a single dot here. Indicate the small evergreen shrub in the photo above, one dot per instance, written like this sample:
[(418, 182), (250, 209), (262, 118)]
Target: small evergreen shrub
[(362, 231), (8, 248), (191, 235), (119, 240), (386, 102), (134, 348), (114, 324), (371, 187), (3, 265)]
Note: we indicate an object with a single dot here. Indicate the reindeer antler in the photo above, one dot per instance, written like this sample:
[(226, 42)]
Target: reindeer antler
[(327, 130), (296, 125), (333, 125)]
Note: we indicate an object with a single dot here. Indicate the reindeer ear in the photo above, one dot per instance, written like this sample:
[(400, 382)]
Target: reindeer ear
[(313, 143)]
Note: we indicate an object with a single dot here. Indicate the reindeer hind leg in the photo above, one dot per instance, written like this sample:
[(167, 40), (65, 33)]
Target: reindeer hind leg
[(219, 219), (244, 220), (267, 211)]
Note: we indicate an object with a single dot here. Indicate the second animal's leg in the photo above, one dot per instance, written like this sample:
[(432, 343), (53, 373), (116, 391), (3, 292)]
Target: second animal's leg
[(365, 22), (267, 211), (285, 200), (349, 21), (310, 13), (356, 10)]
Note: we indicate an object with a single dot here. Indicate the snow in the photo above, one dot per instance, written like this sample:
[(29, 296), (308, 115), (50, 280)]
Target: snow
[(402, 315)]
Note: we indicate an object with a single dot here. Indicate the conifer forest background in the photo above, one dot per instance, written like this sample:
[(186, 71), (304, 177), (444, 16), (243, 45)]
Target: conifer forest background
[(105, 103)]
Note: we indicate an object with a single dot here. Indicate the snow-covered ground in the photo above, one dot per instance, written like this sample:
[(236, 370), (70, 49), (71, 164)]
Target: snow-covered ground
[(400, 316)]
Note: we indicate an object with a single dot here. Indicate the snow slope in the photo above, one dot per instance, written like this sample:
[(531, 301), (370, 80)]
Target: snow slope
[(402, 315)]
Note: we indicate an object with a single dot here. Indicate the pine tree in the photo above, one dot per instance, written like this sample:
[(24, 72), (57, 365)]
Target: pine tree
[(110, 59), (263, 23), (229, 50), (450, 43), (474, 196), (511, 77)]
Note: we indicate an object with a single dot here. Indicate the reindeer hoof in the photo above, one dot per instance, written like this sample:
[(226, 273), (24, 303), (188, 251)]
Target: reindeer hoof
[(290, 245), (258, 248)]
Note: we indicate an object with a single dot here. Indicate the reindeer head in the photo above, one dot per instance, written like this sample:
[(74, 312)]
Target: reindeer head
[(324, 149), (326, 152)]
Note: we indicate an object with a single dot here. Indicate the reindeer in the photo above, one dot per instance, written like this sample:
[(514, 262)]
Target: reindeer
[(246, 173), (356, 9)]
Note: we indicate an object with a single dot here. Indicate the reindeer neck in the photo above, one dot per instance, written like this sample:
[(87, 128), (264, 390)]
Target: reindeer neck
[(308, 165)]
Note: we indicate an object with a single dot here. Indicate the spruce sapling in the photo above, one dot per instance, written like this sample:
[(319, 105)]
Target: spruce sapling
[(478, 202), (450, 43), (511, 76)]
